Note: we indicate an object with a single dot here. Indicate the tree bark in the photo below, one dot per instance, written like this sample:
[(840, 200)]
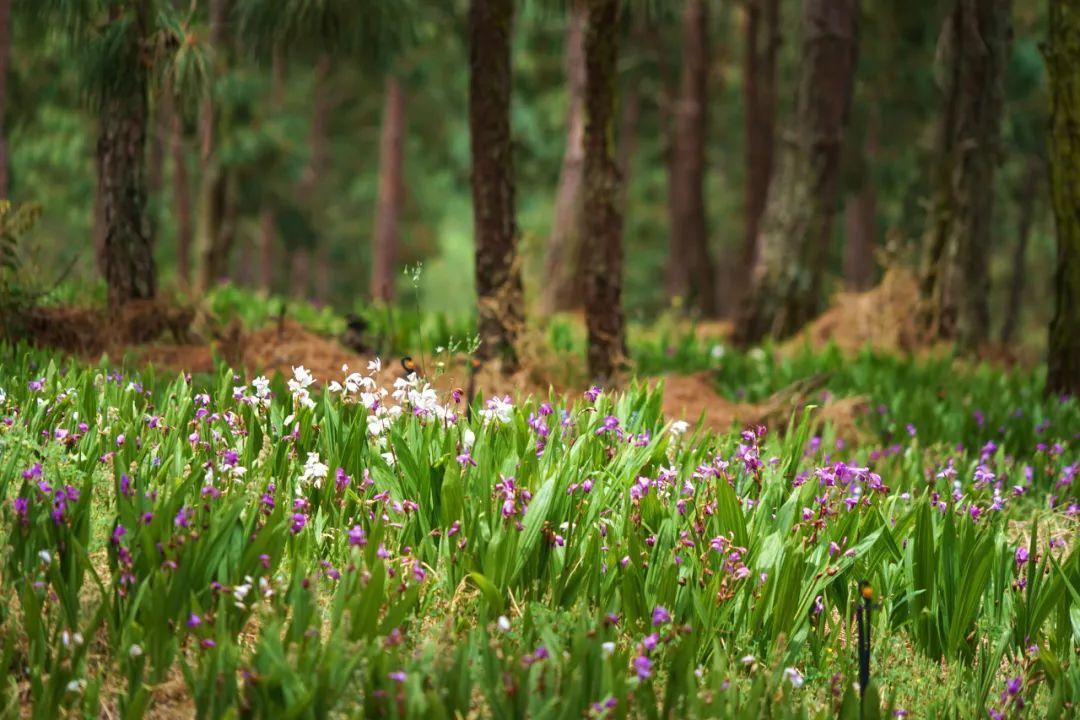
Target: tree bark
[(798, 221), (182, 193), (955, 282), (5, 57), (267, 246), (629, 119), (213, 243), (498, 269), (760, 102), (562, 287), (391, 192), (268, 249), (603, 218), (1063, 63), (1026, 199), (861, 221), (301, 273), (688, 167), (128, 253)]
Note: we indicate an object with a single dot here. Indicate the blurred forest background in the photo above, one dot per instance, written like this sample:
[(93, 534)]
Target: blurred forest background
[(316, 148)]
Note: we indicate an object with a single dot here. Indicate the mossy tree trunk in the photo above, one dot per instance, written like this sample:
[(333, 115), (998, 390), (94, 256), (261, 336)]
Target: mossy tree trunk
[(128, 257), (498, 269), (603, 217), (5, 56), (1063, 61), (955, 282), (798, 222)]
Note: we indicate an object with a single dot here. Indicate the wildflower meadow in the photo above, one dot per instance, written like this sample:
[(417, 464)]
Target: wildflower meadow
[(235, 546)]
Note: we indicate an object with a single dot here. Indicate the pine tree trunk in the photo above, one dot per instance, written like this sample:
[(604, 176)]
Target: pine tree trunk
[(301, 273), (212, 243), (320, 122), (391, 192), (688, 167), (1063, 63), (267, 215), (760, 102), (629, 119), (955, 281), (797, 225), (267, 247), (677, 270), (5, 57), (498, 270), (562, 286), (182, 193), (128, 253), (603, 221), (1026, 199), (860, 216)]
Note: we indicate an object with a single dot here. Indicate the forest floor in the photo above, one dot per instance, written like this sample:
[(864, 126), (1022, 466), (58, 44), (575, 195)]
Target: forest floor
[(174, 339)]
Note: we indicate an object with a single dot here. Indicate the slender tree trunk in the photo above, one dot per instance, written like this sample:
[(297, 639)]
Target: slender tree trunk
[(677, 270), (689, 158), (267, 246), (955, 281), (629, 119), (603, 219), (391, 192), (5, 56), (128, 253), (1063, 62), (498, 269), (212, 243), (301, 273), (861, 221), (182, 193), (323, 275), (268, 249), (562, 286), (797, 225), (1026, 199), (760, 102), (320, 122)]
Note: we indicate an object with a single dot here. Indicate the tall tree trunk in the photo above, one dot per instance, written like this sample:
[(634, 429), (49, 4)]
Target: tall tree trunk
[(301, 273), (212, 244), (318, 141), (5, 56), (688, 167), (498, 269), (629, 119), (677, 270), (1063, 62), (323, 275), (760, 101), (268, 247), (861, 220), (1026, 198), (182, 193), (391, 192), (128, 253), (562, 286), (797, 225), (603, 218), (955, 281)]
